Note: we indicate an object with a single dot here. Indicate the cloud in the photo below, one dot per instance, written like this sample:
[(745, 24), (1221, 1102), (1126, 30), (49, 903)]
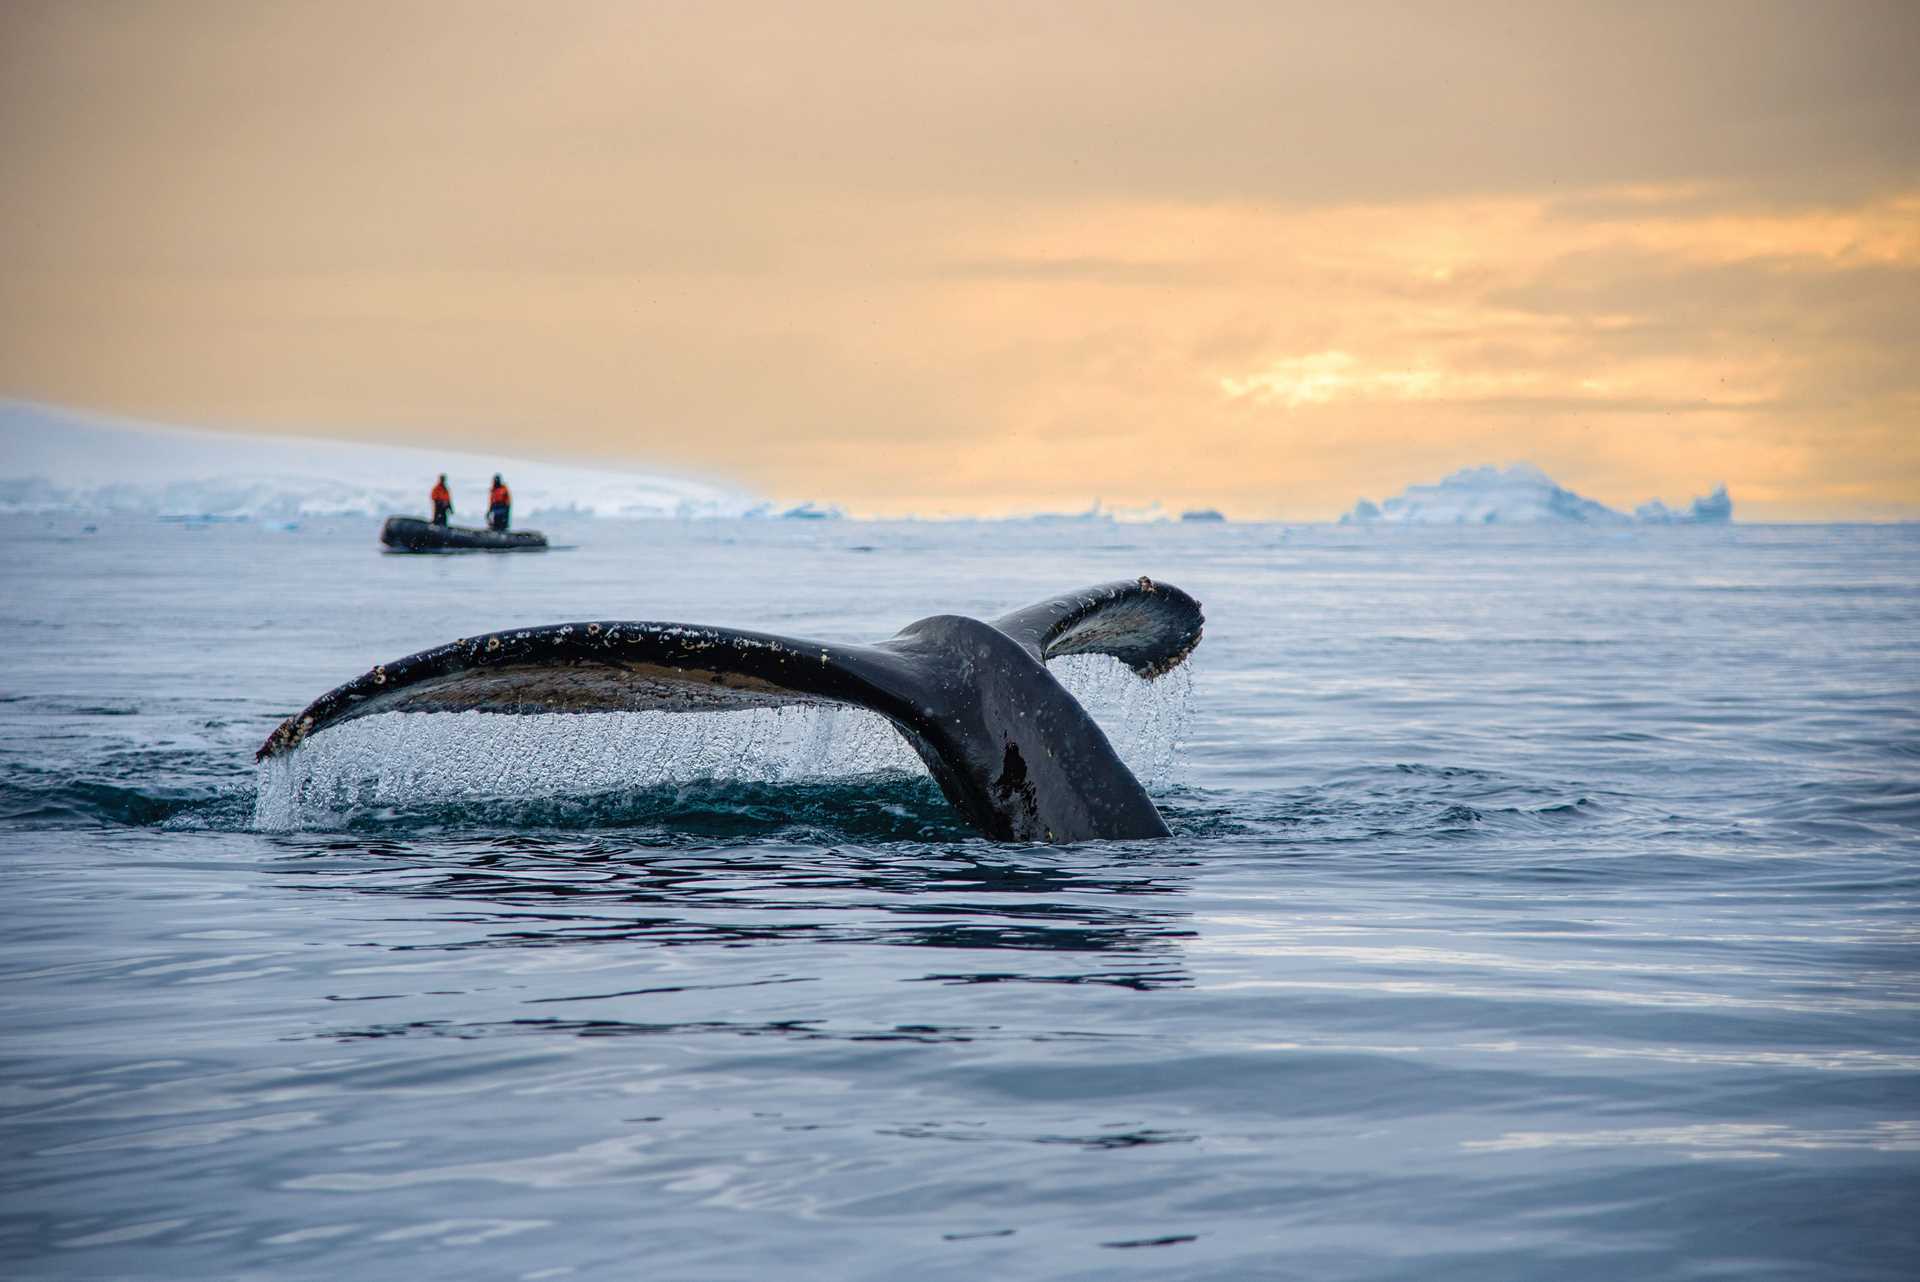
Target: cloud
[(1322, 378)]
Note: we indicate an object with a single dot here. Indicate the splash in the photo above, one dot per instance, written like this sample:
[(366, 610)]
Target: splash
[(400, 763)]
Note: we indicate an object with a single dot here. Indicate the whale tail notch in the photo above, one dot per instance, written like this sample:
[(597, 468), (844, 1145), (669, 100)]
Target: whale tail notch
[(1008, 744)]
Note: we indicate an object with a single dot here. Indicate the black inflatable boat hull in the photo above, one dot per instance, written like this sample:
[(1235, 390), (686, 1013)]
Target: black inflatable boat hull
[(411, 534)]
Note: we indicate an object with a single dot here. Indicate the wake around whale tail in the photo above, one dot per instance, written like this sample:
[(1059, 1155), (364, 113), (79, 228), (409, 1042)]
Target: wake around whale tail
[(1013, 751)]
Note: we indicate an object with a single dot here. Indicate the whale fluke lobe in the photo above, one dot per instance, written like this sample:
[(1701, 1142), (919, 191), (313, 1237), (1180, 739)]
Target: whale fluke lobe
[(1148, 626), (1010, 747)]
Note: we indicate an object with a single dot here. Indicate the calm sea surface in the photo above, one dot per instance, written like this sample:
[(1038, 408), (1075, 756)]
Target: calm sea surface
[(1540, 905)]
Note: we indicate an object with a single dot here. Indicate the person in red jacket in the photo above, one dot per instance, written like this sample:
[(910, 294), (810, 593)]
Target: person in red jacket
[(442, 500), (499, 504)]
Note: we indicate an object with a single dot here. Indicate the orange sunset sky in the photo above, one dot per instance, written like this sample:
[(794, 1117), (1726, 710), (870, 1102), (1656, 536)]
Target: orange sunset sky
[(961, 257)]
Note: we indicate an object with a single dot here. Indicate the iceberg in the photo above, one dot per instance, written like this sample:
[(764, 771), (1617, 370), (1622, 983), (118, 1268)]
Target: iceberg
[(1711, 509), (56, 460), (808, 511), (1101, 512), (1521, 495)]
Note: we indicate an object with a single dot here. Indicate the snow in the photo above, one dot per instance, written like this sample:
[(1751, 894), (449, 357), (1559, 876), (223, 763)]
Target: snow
[(1522, 495), (54, 460)]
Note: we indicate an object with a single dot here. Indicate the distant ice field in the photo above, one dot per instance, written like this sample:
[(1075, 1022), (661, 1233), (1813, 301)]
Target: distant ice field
[(61, 461), (1543, 903)]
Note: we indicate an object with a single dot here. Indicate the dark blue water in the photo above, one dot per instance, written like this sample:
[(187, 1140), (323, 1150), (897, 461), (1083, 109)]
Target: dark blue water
[(1541, 905)]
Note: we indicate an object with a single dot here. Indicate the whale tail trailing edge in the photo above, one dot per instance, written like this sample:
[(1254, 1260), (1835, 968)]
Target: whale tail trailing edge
[(1009, 746), (1151, 627)]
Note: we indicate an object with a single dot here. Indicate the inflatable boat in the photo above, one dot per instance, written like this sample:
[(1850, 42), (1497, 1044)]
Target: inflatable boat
[(411, 534)]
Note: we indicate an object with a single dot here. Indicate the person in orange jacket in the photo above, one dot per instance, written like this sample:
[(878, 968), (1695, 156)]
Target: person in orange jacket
[(442, 500), (499, 505)]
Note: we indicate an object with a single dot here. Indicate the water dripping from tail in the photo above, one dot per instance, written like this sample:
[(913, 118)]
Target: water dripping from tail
[(619, 766)]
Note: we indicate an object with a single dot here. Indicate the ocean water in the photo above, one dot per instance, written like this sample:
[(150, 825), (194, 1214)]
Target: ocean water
[(1540, 905)]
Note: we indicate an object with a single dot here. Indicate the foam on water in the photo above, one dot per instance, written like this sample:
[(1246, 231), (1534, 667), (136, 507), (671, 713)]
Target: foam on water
[(399, 762)]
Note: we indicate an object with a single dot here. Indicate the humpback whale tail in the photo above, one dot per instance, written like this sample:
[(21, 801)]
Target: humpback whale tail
[(1013, 751)]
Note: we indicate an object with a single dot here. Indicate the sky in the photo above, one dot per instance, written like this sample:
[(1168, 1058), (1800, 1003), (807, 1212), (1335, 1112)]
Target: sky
[(943, 258)]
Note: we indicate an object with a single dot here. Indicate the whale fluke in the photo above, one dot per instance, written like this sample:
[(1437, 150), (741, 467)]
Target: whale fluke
[(1151, 627), (1013, 751)]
